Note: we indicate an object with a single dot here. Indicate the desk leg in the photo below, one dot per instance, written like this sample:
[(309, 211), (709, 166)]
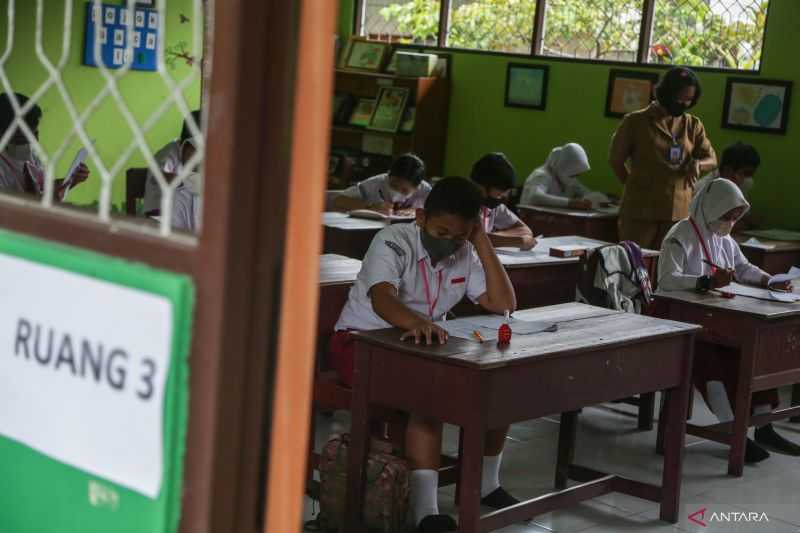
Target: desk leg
[(469, 482), (795, 401), (359, 443), (675, 406), (741, 415), (647, 403), (566, 447)]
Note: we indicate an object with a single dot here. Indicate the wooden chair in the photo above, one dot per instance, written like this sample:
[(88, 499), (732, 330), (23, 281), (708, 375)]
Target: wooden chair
[(135, 179)]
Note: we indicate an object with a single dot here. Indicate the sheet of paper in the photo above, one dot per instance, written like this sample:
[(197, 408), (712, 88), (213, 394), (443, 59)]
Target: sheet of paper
[(519, 327), (80, 157), (760, 293), (464, 330), (752, 242), (775, 234), (374, 215), (598, 199), (793, 274)]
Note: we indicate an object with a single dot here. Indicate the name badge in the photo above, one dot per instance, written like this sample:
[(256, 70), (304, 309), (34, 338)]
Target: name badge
[(675, 154)]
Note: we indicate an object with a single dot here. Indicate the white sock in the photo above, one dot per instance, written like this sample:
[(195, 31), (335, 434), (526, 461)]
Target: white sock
[(490, 478), (762, 409), (718, 401), (424, 488)]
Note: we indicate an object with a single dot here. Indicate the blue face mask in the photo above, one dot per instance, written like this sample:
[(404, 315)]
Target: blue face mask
[(438, 248)]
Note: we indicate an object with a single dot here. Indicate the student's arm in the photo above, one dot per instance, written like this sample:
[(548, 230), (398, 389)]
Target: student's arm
[(746, 272), (499, 296), (351, 200), (671, 276), (519, 236), (621, 149)]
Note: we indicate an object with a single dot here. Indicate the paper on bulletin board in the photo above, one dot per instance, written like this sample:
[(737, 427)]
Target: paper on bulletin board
[(96, 442)]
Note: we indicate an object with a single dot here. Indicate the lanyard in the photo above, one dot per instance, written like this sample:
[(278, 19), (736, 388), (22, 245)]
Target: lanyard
[(431, 306), (486, 219), (703, 244)]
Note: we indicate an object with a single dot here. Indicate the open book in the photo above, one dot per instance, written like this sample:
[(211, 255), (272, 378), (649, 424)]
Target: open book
[(374, 215)]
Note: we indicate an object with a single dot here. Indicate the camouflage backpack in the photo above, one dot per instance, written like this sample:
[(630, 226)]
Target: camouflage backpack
[(386, 493)]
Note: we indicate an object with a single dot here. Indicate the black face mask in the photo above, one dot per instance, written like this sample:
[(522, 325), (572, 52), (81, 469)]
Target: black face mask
[(437, 248), (491, 202), (677, 109)]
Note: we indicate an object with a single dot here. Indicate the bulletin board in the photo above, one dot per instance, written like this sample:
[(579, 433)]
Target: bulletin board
[(42, 493), (114, 25)]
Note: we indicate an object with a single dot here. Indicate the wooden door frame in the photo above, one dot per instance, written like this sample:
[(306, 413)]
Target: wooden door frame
[(240, 263)]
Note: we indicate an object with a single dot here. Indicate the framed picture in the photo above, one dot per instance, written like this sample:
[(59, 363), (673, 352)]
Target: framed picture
[(146, 3), (389, 109), (362, 112), (526, 86), (629, 90), (366, 55), (753, 104), (409, 119)]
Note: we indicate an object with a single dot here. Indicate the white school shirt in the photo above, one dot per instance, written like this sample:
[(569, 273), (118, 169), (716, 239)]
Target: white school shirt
[(12, 172), (396, 256), (543, 188), (499, 218), (168, 160), (187, 210), (376, 189)]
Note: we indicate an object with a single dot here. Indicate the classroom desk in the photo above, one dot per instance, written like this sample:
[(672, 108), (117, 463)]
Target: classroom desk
[(348, 236), (597, 355), (767, 336), (336, 275), (778, 260), (555, 221)]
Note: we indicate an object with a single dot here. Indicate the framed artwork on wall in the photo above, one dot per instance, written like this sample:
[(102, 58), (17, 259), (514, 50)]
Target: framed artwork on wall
[(526, 86), (753, 104), (629, 90)]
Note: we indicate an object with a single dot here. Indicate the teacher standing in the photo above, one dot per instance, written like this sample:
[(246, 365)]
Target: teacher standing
[(668, 151)]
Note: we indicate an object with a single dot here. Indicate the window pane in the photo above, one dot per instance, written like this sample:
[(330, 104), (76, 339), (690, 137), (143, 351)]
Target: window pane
[(409, 21), (599, 29), (493, 25), (709, 33)]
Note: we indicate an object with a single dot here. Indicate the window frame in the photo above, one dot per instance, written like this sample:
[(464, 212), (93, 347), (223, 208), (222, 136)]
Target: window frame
[(642, 53)]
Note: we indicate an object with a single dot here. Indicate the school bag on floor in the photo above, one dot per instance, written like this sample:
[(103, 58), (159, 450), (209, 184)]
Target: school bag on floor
[(615, 277), (386, 490)]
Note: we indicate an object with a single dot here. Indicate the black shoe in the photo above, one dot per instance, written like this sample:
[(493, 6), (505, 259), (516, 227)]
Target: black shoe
[(753, 453), (499, 499), (437, 523), (767, 436)]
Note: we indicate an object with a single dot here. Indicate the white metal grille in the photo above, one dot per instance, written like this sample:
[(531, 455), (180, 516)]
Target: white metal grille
[(106, 169)]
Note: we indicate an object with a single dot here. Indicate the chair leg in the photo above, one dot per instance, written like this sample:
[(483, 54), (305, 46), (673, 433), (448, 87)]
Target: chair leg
[(460, 455)]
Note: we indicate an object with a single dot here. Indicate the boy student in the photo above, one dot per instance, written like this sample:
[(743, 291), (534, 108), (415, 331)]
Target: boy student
[(556, 182), (412, 275), (187, 200), (402, 188), (170, 160), (495, 176), (739, 163), (21, 171), (699, 254)]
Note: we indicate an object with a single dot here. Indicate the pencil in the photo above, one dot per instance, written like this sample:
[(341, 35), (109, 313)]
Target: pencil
[(478, 335)]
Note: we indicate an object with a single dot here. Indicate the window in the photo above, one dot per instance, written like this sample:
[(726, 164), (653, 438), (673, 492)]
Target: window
[(497, 26), (726, 34), (405, 21), (603, 29), (722, 34)]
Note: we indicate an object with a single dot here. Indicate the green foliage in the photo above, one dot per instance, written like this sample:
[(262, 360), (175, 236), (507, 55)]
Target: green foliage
[(597, 29)]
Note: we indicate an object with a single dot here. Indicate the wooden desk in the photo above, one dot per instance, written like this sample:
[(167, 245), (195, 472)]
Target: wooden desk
[(767, 337), (596, 356), (540, 279), (776, 260), (336, 275), (555, 221), (347, 236)]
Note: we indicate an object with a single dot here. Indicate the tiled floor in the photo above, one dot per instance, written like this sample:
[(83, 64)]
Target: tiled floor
[(608, 440)]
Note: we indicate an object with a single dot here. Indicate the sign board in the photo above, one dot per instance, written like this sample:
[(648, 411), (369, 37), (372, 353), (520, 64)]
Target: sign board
[(93, 390)]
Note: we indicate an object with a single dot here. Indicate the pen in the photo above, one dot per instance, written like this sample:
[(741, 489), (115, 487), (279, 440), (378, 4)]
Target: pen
[(478, 335)]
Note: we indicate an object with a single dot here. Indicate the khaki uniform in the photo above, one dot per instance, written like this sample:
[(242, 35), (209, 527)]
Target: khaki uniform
[(656, 194)]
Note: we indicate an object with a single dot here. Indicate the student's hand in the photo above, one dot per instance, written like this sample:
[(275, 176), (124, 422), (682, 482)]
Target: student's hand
[(784, 286), (81, 174), (382, 207), (692, 173), (722, 278), (426, 331), (410, 212), (478, 233), (528, 243), (580, 203)]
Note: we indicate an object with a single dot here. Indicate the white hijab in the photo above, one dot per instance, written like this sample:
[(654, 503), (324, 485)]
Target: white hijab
[(567, 161)]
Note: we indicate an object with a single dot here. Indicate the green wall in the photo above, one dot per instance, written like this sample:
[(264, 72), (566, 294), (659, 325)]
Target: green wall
[(143, 92), (479, 122)]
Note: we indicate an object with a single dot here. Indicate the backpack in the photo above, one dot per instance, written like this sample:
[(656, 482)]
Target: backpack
[(615, 277), (386, 492)]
